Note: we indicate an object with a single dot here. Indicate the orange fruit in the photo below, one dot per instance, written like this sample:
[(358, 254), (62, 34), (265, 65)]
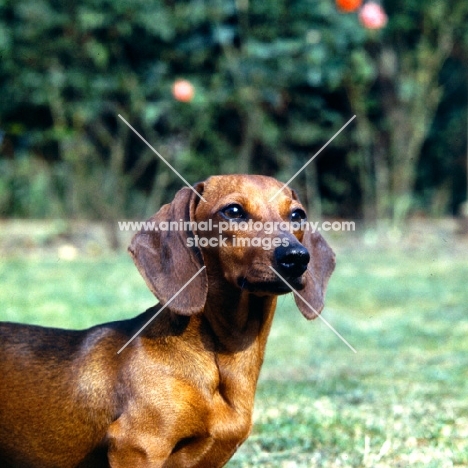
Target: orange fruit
[(348, 5), (183, 90)]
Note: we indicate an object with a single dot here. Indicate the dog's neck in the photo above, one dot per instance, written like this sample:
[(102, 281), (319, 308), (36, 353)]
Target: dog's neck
[(239, 319), (240, 323)]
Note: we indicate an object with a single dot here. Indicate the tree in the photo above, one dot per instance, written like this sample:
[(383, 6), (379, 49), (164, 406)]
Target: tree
[(273, 81), (394, 88)]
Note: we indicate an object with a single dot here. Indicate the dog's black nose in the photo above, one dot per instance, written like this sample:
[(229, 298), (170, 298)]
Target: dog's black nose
[(291, 260)]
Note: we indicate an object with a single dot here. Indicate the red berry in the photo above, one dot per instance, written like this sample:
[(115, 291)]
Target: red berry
[(348, 5), (183, 90)]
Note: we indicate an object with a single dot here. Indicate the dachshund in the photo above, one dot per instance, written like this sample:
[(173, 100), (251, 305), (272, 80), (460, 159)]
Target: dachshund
[(176, 389)]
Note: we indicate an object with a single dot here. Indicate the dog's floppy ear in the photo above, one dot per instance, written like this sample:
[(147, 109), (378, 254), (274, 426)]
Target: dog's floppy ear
[(319, 269), (167, 261)]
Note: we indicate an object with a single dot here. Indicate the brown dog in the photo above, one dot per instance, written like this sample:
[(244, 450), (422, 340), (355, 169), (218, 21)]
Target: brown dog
[(181, 394)]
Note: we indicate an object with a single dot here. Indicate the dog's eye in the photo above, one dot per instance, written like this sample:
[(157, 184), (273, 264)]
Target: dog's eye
[(298, 215), (234, 212)]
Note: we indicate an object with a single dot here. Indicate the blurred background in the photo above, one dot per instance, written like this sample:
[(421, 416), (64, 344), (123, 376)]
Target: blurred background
[(272, 82), (255, 86)]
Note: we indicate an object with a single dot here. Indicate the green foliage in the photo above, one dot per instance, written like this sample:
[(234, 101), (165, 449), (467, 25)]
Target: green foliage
[(274, 80)]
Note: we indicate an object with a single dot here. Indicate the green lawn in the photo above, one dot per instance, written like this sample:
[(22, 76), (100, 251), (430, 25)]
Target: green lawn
[(401, 400)]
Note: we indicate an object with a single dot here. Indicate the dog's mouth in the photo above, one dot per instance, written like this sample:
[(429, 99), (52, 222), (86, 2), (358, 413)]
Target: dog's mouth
[(274, 286)]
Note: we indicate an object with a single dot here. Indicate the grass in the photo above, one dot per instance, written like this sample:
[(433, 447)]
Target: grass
[(400, 401)]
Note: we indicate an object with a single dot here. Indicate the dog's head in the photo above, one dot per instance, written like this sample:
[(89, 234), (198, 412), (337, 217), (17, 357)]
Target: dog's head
[(247, 230)]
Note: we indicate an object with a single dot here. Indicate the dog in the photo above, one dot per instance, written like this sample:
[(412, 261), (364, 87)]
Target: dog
[(176, 390)]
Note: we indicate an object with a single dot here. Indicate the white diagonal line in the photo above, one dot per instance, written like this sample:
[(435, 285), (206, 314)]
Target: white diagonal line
[(315, 312), (161, 309), (312, 158), (162, 159)]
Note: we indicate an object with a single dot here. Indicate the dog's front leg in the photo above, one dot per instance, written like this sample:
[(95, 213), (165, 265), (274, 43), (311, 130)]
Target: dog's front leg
[(160, 424), (137, 445)]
